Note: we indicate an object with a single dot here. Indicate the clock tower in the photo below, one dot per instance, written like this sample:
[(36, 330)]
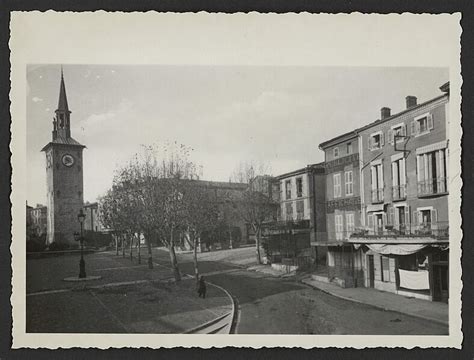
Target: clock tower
[(64, 177)]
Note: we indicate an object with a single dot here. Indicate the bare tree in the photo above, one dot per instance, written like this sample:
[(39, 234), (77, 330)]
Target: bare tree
[(164, 174), (201, 215), (255, 206)]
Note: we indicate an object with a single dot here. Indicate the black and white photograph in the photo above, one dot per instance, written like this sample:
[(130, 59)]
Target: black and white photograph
[(177, 200)]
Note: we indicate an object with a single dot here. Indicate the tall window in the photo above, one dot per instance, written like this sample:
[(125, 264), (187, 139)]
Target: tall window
[(431, 172), (348, 180), (288, 189), (350, 223), (299, 187), (339, 227), (289, 211), (398, 180), (337, 185), (376, 172), (300, 210)]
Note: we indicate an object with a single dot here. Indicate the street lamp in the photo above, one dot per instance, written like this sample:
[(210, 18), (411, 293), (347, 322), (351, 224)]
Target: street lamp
[(82, 264)]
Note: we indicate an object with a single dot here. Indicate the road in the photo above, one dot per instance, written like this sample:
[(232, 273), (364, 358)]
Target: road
[(271, 305)]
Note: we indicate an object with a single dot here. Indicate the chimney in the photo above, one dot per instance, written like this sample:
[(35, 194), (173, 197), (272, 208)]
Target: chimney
[(411, 101), (385, 113)]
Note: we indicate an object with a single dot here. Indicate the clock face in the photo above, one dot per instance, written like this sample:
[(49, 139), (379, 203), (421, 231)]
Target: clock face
[(68, 160)]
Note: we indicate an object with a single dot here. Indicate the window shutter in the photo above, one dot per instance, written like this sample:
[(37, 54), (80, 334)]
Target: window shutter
[(417, 127), (391, 215), (420, 217), (413, 128), (430, 121), (384, 219), (370, 220), (434, 216), (407, 215), (382, 142), (415, 217), (390, 136)]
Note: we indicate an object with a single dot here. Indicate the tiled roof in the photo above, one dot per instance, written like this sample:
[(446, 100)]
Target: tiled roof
[(337, 139)]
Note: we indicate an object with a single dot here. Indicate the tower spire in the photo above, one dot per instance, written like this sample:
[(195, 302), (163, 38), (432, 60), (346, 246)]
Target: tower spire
[(62, 103), (62, 120)]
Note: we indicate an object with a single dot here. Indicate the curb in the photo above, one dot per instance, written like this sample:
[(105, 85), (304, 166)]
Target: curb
[(440, 322), (233, 321), (233, 315)]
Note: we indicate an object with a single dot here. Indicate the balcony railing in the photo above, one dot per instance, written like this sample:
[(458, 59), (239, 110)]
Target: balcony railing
[(377, 196), (438, 230), (432, 186), (399, 192), (288, 225)]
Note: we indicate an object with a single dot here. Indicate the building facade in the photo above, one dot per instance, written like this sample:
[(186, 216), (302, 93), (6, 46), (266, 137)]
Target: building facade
[(343, 207), (64, 173), (404, 204), (92, 221)]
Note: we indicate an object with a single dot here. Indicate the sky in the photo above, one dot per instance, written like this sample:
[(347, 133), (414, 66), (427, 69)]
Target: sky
[(273, 115)]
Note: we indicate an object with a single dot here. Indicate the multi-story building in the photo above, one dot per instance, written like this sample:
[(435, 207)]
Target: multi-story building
[(295, 195), (342, 210), (404, 199), (301, 218)]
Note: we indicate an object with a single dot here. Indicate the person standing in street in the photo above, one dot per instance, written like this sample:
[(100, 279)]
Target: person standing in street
[(202, 287)]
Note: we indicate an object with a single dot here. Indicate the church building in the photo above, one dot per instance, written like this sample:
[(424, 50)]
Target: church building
[(64, 172)]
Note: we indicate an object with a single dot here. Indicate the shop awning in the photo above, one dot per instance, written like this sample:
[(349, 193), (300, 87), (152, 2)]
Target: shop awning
[(399, 249)]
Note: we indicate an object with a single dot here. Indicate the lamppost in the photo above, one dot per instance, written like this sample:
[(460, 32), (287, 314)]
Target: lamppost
[(79, 237)]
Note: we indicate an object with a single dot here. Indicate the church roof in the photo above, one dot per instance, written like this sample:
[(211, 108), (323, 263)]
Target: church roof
[(62, 103), (63, 141)]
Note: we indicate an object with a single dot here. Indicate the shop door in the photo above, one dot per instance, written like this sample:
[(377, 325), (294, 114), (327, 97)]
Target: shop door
[(440, 283), (371, 271)]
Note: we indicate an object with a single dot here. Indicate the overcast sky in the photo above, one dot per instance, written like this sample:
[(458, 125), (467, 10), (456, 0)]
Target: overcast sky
[(276, 115)]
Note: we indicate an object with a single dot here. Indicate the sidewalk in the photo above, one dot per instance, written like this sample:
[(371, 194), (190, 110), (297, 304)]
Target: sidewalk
[(427, 310), (267, 269)]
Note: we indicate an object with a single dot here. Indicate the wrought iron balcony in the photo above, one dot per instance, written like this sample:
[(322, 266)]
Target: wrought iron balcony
[(399, 192), (432, 186), (377, 196), (437, 230)]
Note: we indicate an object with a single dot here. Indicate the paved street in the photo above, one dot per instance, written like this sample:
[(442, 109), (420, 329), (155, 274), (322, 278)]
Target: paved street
[(268, 305)]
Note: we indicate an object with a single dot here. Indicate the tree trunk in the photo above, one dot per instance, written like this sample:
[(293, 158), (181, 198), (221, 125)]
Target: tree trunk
[(139, 250), (257, 245), (131, 248), (150, 258), (196, 265), (123, 245), (174, 261), (116, 245)]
